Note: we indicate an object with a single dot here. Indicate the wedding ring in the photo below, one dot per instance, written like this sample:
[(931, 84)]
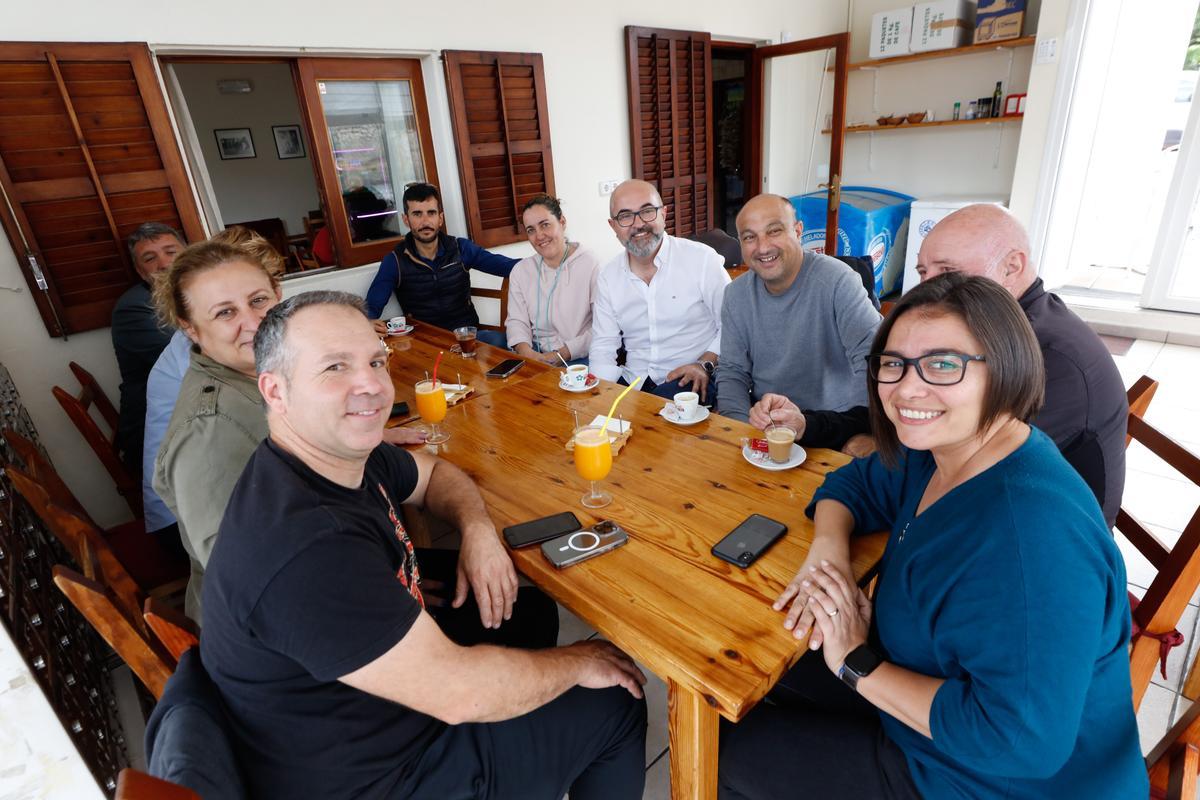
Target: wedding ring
[(833, 613)]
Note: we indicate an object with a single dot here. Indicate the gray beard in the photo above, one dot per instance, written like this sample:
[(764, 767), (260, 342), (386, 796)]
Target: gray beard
[(643, 251)]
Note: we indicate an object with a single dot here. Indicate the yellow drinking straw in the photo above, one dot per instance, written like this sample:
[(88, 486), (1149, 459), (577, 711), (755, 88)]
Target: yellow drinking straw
[(620, 397)]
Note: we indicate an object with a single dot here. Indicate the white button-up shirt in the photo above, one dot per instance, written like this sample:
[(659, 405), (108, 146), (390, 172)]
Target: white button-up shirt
[(667, 323)]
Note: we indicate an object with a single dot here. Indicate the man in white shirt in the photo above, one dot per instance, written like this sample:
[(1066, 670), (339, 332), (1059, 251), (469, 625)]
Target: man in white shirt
[(662, 296)]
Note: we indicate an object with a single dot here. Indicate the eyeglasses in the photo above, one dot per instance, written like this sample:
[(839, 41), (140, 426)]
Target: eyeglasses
[(645, 214), (937, 369)]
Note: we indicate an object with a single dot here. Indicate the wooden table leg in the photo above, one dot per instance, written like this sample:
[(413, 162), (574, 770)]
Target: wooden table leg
[(693, 725)]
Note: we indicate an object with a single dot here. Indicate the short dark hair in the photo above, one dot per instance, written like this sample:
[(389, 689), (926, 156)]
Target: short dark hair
[(271, 353), (418, 193), (1016, 376), (148, 232), (551, 204)]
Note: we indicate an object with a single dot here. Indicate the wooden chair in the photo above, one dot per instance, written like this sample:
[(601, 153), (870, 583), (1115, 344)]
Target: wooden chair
[(146, 657), (174, 631), (39, 468), (500, 294), (104, 446), (1140, 395), (1178, 576), (134, 785)]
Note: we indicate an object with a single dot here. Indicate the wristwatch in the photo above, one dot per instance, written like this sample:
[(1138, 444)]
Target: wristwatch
[(860, 662), (709, 367)]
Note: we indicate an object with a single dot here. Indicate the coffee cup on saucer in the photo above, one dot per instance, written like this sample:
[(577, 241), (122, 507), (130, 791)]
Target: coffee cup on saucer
[(687, 405), (575, 376), (397, 324)]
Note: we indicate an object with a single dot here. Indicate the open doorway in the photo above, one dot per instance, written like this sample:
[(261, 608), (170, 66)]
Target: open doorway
[(731, 126), (249, 141)]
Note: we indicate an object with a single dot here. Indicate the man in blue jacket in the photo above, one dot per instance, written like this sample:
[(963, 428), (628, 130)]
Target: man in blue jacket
[(429, 271)]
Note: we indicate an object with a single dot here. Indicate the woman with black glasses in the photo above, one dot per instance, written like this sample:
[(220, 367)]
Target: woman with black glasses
[(993, 661)]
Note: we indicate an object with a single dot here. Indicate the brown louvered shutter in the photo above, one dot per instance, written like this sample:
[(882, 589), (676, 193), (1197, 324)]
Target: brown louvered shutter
[(670, 125), (502, 131), (86, 155)]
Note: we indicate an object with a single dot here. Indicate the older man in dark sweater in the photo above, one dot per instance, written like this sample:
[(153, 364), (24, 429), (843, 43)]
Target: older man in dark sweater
[(1086, 411)]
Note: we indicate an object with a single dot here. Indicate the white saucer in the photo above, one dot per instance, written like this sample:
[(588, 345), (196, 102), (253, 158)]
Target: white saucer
[(669, 413), (405, 331), (763, 461), (586, 386)]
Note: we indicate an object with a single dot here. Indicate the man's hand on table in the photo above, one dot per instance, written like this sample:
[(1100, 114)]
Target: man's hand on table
[(860, 445), (485, 567), (693, 376), (775, 409), (403, 435), (841, 610), (380, 326), (602, 665)]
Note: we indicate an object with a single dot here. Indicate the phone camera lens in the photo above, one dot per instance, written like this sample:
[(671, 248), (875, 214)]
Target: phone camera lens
[(745, 557)]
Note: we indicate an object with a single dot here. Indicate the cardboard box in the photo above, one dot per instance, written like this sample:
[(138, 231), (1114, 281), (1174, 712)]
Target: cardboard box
[(998, 20), (891, 33), (942, 24)]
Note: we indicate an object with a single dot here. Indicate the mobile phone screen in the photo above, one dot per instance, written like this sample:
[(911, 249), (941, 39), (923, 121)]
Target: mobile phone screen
[(505, 368), (749, 540), (540, 530)]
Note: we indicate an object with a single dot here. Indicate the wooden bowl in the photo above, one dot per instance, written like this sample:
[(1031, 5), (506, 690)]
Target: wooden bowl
[(913, 119), (883, 121)]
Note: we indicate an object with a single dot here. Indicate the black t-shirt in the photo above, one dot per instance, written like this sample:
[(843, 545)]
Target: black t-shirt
[(308, 582)]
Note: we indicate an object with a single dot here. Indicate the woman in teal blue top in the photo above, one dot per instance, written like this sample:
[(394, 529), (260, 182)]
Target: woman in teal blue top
[(993, 662)]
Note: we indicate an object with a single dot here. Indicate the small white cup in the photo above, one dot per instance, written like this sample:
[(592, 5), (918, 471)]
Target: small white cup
[(686, 405), (576, 376), (396, 324)]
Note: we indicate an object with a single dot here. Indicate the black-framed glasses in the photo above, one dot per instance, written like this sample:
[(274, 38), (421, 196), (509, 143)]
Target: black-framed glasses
[(938, 369), (645, 214)]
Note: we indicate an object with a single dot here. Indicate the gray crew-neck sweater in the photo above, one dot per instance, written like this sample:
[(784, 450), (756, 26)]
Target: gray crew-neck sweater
[(809, 343)]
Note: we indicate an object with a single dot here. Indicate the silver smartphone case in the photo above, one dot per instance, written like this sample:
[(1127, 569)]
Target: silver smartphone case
[(583, 544)]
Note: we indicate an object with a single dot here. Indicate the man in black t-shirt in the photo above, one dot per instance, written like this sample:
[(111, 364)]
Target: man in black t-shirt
[(320, 633)]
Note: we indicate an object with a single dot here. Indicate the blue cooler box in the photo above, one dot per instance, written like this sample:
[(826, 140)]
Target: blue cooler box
[(871, 222)]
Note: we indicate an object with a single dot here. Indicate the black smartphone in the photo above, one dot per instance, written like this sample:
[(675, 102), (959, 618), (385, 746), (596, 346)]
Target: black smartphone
[(505, 368), (745, 543), (399, 409), (541, 530)]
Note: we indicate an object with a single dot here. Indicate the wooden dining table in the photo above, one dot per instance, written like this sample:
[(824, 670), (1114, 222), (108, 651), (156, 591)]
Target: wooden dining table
[(703, 625)]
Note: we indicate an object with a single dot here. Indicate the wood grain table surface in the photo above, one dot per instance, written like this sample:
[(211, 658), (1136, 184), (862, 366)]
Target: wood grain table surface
[(703, 625)]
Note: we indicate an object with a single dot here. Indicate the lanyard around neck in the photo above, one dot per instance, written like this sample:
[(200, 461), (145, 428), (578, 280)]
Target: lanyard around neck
[(537, 320)]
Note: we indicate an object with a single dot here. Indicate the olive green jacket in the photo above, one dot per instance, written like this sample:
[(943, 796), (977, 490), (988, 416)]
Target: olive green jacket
[(218, 420)]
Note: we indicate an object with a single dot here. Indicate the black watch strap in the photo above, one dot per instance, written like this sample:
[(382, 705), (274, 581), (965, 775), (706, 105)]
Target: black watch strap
[(860, 662), (709, 367)]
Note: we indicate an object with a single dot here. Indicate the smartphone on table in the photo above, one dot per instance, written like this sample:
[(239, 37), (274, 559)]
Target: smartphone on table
[(505, 368), (749, 540), (541, 530), (582, 545)]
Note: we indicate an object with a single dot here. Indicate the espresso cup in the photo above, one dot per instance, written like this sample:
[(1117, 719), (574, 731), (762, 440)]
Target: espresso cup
[(466, 341), (779, 443), (576, 376), (396, 324), (686, 405)]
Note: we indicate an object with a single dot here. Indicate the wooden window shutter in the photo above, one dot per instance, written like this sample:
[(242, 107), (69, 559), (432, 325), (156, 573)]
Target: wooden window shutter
[(502, 131), (87, 154), (669, 121)]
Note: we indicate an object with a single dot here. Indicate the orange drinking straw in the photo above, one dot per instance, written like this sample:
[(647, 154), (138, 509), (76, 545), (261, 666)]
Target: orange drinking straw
[(436, 362)]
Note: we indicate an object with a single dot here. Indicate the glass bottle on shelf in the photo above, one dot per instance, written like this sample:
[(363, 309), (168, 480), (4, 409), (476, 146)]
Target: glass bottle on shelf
[(997, 100)]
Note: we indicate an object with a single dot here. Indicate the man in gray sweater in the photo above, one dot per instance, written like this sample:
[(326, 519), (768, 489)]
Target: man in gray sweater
[(799, 324)]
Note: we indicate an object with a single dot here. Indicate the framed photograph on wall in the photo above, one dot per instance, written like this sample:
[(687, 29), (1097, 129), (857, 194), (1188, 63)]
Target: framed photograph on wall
[(288, 141), (234, 143)]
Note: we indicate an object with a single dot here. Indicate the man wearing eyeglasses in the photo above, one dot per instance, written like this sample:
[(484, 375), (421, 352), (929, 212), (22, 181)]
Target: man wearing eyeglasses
[(662, 297), (429, 270), (1085, 410)]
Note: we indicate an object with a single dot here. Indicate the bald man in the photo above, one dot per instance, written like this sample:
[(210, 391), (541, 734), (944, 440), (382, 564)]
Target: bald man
[(661, 297), (1086, 409), (795, 332)]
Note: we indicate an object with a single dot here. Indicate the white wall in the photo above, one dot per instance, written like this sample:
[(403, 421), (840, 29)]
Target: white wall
[(251, 188), (583, 47)]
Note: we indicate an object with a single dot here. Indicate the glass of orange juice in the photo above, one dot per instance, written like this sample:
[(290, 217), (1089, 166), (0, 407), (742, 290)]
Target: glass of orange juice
[(431, 406), (593, 460)]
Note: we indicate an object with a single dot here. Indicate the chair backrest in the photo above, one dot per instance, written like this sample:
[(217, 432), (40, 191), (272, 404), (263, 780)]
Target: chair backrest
[(176, 632), (723, 243), (134, 785), (1164, 602), (1139, 396), (188, 737), (39, 468), (1175, 760), (102, 445), (500, 294), (148, 661), (864, 267)]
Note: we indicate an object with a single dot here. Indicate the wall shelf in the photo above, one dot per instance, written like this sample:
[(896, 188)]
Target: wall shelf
[(986, 47), (943, 123)]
